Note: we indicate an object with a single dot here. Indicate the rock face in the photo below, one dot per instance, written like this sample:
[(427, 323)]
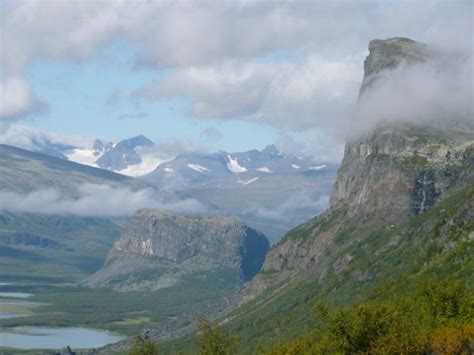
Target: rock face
[(389, 54), (402, 169), (123, 153), (159, 248), (387, 176)]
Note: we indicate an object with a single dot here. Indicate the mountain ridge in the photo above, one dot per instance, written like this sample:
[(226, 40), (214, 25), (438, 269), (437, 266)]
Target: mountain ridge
[(176, 246), (392, 173)]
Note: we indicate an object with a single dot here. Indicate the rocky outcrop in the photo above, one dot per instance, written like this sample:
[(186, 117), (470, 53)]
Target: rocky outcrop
[(389, 54), (159, 248), (388, 175), (402, 169)]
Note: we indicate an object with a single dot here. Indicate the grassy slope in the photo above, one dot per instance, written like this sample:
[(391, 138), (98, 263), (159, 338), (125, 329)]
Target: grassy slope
[(436, 242), (84, 245)]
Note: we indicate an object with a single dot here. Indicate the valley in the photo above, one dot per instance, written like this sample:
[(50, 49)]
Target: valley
[(307, 189)]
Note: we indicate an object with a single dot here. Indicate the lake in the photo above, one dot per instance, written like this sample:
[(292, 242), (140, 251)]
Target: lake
[(15, 294), (55, 338), (14, 305)]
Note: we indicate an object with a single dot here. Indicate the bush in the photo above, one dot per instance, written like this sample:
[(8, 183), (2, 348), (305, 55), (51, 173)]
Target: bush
[(144, 347), (211, 340), (436, 316)]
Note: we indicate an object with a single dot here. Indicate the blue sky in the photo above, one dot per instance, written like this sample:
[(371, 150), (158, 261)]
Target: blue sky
[(252, 73), (88, 99)]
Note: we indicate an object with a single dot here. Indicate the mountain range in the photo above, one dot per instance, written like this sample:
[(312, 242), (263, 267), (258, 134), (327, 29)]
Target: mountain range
[(401, 209), (400, 212), (271, 191), (401, 215)]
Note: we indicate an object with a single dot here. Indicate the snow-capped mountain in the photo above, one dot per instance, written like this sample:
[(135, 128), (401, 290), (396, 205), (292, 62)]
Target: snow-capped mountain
[(242, 168), (134, 156), (271, 191)]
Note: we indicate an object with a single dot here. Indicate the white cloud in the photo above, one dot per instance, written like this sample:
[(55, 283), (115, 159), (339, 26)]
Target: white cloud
[(93, 200), (298, 207), (27, 137), (316, 92), (17, 100), (434, 90), (293, 64)]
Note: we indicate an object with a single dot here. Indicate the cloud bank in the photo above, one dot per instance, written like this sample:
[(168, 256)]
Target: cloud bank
[(93, 201), (293, 65), (438, 89), (298, 207)]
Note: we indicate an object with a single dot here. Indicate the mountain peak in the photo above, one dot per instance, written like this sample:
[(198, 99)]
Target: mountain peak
[(389, 53), (189, 244), (271, 149)]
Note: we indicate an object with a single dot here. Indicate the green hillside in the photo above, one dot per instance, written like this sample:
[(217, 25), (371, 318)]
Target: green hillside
[(436, 245)]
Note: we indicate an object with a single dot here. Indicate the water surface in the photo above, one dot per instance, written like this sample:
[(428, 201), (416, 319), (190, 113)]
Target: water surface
[(15, 294), (55, 338)]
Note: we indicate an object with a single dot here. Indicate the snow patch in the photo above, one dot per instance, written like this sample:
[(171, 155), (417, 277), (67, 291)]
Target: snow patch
[(248, 181), (148, 164), (294, 166), (264, 169), (168, 170), (233, 166), (83, 156), (319, 167), (198, 168)]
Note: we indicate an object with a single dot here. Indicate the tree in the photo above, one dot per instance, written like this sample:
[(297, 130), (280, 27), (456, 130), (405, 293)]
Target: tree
[(212, 341), (144, 347)]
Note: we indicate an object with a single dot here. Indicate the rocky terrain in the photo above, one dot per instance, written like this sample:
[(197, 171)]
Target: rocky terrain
[(269, 190), (389, 54), (121, 155), (159, 249), (388, 175)]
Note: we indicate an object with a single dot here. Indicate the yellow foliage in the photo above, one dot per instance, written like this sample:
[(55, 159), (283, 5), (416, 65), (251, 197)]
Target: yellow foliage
[(453, 339)]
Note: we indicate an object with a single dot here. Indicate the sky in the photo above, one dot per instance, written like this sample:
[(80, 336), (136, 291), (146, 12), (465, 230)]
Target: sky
[(232, 75)]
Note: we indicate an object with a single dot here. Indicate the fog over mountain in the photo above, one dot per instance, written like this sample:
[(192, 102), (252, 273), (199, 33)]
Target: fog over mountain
[(236, 177), (432, 84), (93, 201)]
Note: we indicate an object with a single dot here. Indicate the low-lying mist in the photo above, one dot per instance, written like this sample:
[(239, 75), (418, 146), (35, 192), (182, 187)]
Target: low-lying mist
[(93, 201)]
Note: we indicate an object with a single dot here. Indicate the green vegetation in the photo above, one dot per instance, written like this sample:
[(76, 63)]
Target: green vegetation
[(434, 245), (434, 316), (128, 312), (83, 245), (143, 346), (212, 341)]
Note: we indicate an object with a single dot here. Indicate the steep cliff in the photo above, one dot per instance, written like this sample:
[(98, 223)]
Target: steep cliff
[(388, 177), (159, 249), (389, 54)]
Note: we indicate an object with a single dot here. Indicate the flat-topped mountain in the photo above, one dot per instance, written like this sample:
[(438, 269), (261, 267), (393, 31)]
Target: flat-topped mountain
[(388, 175), (402, 206), (160, 249)]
